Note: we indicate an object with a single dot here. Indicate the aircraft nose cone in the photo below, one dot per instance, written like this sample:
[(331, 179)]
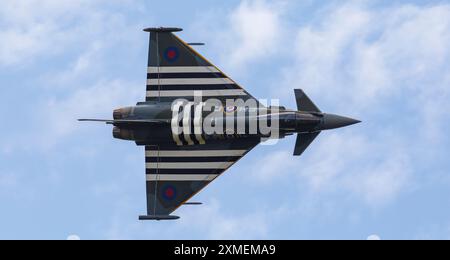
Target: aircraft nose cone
[(331, 121)]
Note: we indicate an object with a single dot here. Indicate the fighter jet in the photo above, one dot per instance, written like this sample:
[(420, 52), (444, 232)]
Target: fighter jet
[(196, 122)]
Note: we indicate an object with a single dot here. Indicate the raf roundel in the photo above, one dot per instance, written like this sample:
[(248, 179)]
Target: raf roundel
[(171, 54), (169, 192)]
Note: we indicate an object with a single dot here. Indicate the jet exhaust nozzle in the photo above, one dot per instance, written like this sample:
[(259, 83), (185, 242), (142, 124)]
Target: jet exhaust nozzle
[(122, 113), (123, 134)]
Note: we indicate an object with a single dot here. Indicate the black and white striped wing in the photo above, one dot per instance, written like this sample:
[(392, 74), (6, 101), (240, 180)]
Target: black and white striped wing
[(175, 70), (174, 174)]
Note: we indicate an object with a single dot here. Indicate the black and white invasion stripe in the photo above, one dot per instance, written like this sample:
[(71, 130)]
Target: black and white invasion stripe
[(170, 83), (188, 165)]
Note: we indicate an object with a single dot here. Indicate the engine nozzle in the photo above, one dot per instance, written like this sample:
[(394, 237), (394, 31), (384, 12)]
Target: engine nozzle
[(122, 113), (123, 134)]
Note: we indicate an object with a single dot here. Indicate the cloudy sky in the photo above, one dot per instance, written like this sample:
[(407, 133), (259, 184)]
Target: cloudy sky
[(384, 62)]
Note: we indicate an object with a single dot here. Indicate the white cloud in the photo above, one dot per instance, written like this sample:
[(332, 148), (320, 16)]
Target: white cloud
[(30, 29), (254, 30), (209, 221), (59, 115), (274, 165), (369, 62), (86, 63), (76, 35), (251, 33), (212, 221), (56, 119), (328, 167), (381, 183), (366, 56)]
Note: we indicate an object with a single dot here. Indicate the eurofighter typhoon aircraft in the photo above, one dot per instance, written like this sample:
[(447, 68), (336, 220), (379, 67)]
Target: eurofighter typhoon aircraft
[(197, 122)]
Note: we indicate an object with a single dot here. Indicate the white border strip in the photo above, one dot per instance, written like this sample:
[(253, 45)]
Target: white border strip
[(198, 131), (174, 124), (187, 123), (181, 177), (205, 153), (192, 93), (189, 165), (189, 81), (196, 69)]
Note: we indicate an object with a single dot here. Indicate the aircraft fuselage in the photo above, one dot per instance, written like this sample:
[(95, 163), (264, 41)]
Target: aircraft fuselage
[(188, 124)]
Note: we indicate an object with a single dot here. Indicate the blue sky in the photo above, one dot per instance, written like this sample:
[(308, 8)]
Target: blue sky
[(384, 62)]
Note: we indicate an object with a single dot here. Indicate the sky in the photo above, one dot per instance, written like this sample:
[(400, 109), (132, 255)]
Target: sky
[(386, 63)]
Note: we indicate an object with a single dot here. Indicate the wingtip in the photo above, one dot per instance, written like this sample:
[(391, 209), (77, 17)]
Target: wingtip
[(163, 29), (158, 217)]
